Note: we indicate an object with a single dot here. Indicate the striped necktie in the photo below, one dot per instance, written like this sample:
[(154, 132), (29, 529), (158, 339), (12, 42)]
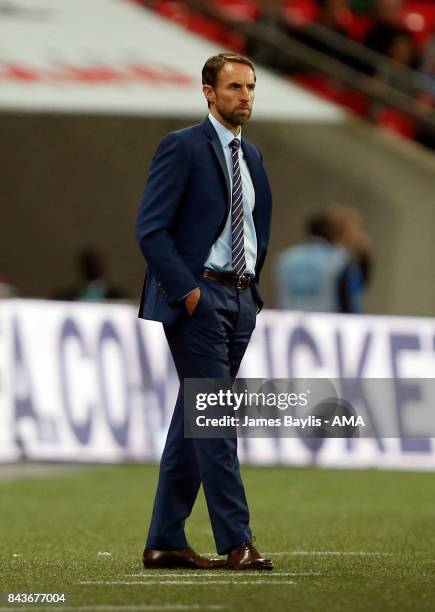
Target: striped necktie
[(237, 219)]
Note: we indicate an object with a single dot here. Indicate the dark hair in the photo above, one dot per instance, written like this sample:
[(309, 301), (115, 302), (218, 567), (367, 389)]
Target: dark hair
[(215, 63), (91, 263), (319, 225)]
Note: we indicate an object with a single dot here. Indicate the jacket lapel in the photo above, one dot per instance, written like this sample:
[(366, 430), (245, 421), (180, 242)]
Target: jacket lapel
[(260, 214), (253, 168), (219, 154), (217, 148)]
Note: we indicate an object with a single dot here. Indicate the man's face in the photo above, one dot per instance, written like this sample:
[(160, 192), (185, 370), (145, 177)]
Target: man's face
[(232, 98)]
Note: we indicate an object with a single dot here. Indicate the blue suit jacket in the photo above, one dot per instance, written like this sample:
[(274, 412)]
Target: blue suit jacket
[(183, 211)]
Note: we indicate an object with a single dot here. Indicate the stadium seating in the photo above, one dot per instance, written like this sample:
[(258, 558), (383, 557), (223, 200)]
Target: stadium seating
[(200, 24), (418, 16), (396, 122), (242, 10), (327, 88), (299, 12)]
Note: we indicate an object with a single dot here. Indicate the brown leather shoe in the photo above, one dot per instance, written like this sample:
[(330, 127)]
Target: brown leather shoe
[(186, 557), (246, 557)]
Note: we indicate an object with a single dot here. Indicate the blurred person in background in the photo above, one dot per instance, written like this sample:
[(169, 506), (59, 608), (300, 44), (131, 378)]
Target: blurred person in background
[(428, 61), (426, 100), (330, 270), (6, 290), (271, 15), (349, 233), (333, 15), (308, 274), (94, 284), (401, 49), (386, 26)]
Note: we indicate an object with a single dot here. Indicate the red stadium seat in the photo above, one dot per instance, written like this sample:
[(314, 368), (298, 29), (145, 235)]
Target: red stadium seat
[(419, 18), (319, 84), (176, 11), (298, 12), (326, 88), (396, 122), (355, 102), (242, 10), (208, 28), (200, 24), (358, 27)]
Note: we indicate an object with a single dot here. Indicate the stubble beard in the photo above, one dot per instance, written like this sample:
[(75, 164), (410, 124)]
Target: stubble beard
[(234, 118)]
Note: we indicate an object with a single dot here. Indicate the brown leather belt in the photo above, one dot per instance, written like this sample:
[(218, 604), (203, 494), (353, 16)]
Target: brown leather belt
[(228, 278)]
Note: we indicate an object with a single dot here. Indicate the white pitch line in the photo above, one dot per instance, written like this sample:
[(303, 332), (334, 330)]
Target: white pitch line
[(320, 552), (327, 552), (189, 582), (220, 574), (118, 607)]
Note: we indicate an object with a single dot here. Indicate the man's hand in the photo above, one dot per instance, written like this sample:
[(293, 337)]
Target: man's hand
[(191, 301)]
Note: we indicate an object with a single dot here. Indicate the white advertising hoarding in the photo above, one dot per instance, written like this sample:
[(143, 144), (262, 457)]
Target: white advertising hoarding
[(82, 382)]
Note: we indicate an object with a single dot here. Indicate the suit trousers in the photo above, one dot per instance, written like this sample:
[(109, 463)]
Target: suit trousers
[(208, 344)]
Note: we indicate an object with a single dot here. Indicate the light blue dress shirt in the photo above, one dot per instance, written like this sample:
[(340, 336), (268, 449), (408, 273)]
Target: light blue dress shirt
[(219, 257)]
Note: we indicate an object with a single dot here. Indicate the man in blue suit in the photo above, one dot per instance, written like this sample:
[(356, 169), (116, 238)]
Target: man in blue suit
[(203, 227)]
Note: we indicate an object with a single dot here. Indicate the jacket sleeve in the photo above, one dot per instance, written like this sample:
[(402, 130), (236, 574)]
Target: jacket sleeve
[(167, 181), (261, 255)]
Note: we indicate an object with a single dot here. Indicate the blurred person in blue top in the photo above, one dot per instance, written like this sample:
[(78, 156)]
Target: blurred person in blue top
[(6, 289), (329, 271), (352, 236), (94, 284)]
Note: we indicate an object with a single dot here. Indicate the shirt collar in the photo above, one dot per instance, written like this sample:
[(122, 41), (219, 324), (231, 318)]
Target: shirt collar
[(225, 135)]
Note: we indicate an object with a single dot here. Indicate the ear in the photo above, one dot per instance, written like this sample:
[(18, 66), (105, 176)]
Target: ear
[(209, 93)]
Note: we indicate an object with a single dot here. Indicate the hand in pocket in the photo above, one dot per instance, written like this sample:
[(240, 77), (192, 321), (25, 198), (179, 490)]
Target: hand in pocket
[(191, 301)]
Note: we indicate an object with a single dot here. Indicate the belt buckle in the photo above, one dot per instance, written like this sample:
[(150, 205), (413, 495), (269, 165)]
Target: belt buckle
[(242, 282)]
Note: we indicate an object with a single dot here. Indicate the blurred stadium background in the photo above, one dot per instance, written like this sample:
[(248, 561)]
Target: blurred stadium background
[(87, 91)]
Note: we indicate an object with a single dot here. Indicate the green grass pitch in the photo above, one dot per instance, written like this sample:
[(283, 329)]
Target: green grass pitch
[(340, 540)]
